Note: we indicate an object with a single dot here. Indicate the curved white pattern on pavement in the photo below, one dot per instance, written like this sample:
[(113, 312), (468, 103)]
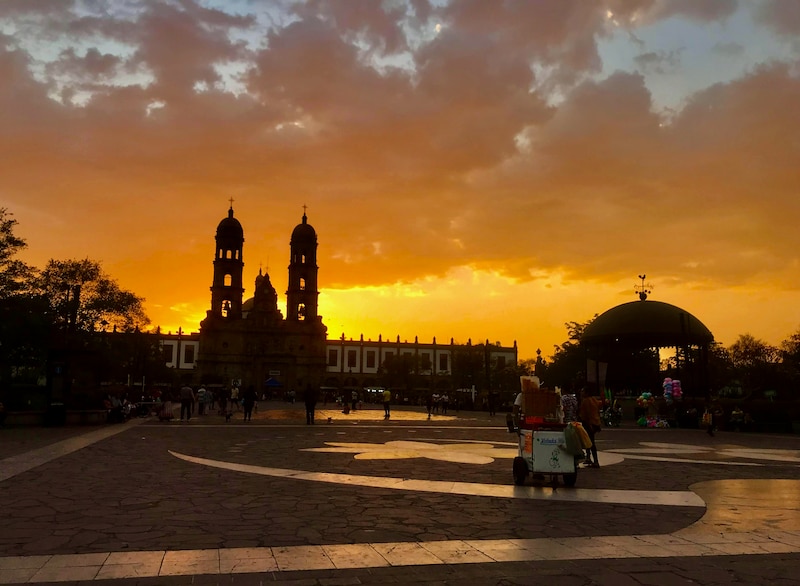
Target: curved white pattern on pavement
[(743, 517), (741, 520), (664, 452), (673, 498), (460, 452)]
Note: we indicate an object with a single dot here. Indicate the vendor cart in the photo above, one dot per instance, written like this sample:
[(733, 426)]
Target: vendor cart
[(542, 441), (542, 452)]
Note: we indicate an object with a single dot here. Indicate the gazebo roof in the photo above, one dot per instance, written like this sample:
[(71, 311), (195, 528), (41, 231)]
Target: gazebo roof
[(646, 324)]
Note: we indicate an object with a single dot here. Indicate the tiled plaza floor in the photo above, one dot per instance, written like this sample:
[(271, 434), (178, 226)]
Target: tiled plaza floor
[(361, 500)]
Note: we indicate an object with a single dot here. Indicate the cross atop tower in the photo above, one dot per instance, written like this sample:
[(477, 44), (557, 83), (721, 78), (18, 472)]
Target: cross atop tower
[(231, 200)]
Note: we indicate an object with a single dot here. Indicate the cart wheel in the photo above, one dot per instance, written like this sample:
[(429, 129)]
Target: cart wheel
[(520, 470), (570, 479)]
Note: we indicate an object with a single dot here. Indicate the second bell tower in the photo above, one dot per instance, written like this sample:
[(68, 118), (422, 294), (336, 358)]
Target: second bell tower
[(302, 295)]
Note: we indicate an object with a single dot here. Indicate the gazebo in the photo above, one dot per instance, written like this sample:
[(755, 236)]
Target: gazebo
[(631, 334)]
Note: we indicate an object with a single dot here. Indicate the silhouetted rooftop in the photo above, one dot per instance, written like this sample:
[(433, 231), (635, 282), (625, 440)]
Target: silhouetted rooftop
[(647, 324)]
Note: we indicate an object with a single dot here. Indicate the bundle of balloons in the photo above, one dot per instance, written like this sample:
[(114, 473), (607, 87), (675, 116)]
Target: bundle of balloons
[(672, 390), (645, 399), (652, 422)]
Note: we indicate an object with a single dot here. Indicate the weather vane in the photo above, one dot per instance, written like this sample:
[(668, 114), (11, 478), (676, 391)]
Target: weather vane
[(644, 289)]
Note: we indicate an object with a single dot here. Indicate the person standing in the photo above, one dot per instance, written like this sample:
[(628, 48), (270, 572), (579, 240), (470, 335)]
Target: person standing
[(187, 401), (201, 400), (209, 402), (569, 405), (235, 398), (223, 401), (714, 414), (248, 402), (387, 400), (310, 398), (353, 399), (589, 415), (430, 405), (492, 403)]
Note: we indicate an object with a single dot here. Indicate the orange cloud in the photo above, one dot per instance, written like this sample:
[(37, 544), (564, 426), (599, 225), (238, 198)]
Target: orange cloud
[(472, 153)]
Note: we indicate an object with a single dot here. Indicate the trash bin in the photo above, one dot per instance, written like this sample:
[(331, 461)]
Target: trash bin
[(55, 415)]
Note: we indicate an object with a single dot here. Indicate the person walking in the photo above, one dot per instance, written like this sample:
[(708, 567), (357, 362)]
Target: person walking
[(310, 397), (430, 405), (248, 402), (589, 415), (187, 402), (387, 400)]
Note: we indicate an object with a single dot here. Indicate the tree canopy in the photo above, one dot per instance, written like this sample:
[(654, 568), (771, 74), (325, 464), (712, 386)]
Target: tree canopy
[(84, 298), (15, 275)]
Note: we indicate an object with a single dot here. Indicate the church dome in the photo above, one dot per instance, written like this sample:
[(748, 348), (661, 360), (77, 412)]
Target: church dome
[(230, 228), (647, 324), (304, 232)]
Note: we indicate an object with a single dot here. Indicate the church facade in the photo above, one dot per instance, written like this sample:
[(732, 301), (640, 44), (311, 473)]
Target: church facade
[(249, 342)]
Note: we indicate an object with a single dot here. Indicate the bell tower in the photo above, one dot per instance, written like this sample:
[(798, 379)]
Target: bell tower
[(227, 289), (302, 295)]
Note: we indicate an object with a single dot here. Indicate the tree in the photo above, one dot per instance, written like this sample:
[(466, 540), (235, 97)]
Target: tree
[(567, 366), (789, 352), (755, 363), (468, 366), (82, 298), (15, 275), (721, 370), (23, 316), (398, 371)]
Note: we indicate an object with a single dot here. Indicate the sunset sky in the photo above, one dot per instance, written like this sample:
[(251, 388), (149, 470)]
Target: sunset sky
[(478, 169)]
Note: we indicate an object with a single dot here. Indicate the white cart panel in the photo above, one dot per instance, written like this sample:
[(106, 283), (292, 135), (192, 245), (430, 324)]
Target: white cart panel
[(550, 455)]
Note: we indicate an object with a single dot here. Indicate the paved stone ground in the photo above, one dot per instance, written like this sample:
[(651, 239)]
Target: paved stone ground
[(128, 493)]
